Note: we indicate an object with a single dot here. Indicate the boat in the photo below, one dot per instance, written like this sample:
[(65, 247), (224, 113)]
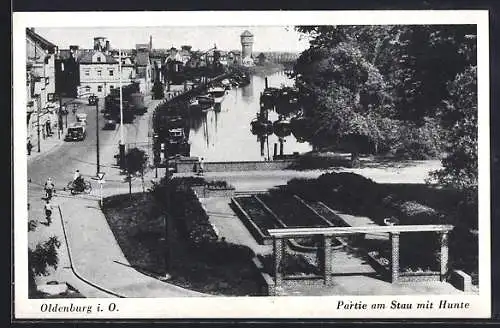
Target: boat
[(243, 79), (177, 142), (268, 97), (287, 101), (234, 83), (282, 127), (194, 105), (226, 84), (301, 128), (261, 126), (217, 92), (205, 101)]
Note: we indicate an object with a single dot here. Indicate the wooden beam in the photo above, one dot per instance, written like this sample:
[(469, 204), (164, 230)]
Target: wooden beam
[(337, 231)]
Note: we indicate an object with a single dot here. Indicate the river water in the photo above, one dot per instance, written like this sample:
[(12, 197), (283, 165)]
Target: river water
[(225, 135)]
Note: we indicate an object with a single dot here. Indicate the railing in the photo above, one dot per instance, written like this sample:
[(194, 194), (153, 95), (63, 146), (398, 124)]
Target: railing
[(339, 231)]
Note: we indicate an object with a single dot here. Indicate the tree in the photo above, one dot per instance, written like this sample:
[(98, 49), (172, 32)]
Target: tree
[(370, 87), (41, 258), (262, 58), (344, 88), (135, 162), (459, 116)]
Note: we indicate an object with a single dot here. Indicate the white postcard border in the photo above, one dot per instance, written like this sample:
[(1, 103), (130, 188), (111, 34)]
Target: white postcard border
[(249, 307)]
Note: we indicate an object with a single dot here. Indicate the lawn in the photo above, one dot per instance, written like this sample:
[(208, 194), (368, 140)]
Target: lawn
[(139, 229)]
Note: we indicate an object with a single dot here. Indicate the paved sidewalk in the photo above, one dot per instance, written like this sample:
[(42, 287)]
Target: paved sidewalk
[(98, 258), (47, 145)]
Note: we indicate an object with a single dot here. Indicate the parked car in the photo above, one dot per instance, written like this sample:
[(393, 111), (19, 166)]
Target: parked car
[(76, 132), (81, 118), (109, 124), (93, 99)]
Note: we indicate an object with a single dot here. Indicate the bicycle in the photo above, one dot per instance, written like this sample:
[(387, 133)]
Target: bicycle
[(87, 187)]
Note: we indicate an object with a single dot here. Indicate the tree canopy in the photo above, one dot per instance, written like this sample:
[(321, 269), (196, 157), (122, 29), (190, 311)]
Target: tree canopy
[(391, 89)]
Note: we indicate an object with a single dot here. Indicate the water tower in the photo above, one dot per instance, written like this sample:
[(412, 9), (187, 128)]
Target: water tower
[(246, 44)]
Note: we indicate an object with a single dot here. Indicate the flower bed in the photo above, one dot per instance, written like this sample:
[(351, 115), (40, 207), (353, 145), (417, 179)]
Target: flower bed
[(357, 195), (291, 264), (188, 211), (291, 211), (257, 213)]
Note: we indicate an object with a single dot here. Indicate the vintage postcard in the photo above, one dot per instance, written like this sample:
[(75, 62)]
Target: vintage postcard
[(275, 164)]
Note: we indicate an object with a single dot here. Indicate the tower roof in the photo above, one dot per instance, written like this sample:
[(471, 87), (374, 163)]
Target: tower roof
[(246, 33)]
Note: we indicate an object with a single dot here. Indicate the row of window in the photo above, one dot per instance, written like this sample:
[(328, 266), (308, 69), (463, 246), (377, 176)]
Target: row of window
[(99, 72), (99, 88)]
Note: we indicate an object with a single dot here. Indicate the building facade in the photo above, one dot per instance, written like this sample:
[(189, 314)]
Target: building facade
[(143, 70), (42, 106), (99, 72)]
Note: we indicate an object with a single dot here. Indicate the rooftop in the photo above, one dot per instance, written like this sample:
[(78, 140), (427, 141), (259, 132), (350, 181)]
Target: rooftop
[(86, 58), (44, 43)]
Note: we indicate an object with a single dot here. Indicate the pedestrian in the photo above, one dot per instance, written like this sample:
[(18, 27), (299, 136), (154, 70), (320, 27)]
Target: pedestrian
[(29, 146), (47, 128), (201, 169), (48, 211)]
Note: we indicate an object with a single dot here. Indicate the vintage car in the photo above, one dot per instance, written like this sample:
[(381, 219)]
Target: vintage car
[(76, 132), (81, 118), (93, 99), (109, 124)]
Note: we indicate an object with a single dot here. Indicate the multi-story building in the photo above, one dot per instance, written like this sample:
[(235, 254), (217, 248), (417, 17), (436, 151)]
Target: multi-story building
[(234, 57), (144, 74), (40, 84), (99, 71)]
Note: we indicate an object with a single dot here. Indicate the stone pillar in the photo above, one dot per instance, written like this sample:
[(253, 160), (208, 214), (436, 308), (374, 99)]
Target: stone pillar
[(278, 249), (327, 259), (444, 255), (395, 256)]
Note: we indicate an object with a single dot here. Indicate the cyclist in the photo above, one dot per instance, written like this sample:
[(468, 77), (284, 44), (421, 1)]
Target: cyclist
[(49, 188), (78, 180), (48, 211)]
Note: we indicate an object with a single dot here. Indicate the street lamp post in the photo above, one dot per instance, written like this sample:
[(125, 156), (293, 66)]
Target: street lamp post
[(38, 105), (97, 132), (122, 144)]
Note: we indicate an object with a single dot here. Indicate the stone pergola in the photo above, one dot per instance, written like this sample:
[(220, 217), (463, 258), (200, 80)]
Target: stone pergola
[(279, 237)]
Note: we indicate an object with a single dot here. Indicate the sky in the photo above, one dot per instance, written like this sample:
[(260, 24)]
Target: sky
[(266, 38)]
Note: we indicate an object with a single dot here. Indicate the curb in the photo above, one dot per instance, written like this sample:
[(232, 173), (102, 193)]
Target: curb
[(73, 267)]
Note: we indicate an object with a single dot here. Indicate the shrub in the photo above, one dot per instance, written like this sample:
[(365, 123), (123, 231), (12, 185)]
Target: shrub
[(222, 252), (186, 208), (419, 142), (411, 212), (219, 184), (305, 188), (349, 191)]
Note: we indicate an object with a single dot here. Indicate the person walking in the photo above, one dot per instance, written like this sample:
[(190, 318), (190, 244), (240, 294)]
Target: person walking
[(47, 128), (201, 168), (29, 147), (48, 212)]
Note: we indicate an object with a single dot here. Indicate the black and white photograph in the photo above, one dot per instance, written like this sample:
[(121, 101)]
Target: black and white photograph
[(246, 164)]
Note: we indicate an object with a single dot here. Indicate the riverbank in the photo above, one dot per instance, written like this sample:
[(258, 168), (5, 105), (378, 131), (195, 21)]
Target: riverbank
[(266, 69)]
